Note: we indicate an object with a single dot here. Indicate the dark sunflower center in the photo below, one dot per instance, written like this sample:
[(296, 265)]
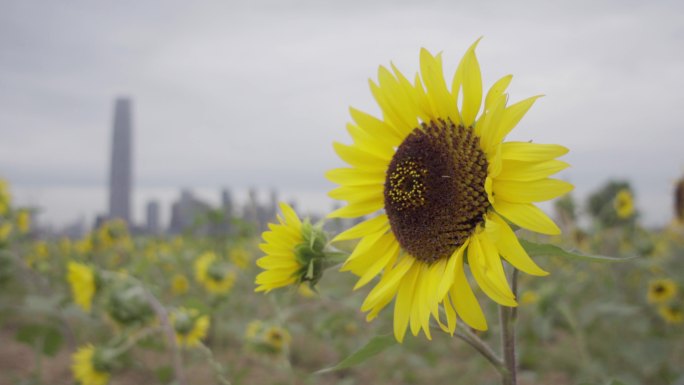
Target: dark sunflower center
[(659, 289), (435, 189)]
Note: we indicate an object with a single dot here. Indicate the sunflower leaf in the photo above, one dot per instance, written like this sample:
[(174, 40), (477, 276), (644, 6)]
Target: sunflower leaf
[(375, 346), (535, 249)]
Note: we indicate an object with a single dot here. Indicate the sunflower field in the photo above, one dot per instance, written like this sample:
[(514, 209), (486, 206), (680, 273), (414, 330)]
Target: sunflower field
[(451, 273)]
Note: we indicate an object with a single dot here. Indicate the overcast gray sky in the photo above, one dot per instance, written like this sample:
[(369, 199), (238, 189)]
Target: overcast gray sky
[(253, 93)]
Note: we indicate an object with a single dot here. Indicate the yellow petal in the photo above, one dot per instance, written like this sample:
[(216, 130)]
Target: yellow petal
[(389, 282), (404, 303), (485, 276), (373, 225), (390, 111), (376, 128), (358, 209), (528, 216), (497, 90), (533, 191), (472, 86), (361, 159), (438, 95), (369, 143), (290, 214), (357, 193), (352, 177), (531, 152), (464, 299), (448, 277), (386, 249), (515, 170), (512, 116), (510, 248)]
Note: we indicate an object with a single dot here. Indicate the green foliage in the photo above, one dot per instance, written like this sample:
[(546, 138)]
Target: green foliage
[(44, 338), (375, 346)]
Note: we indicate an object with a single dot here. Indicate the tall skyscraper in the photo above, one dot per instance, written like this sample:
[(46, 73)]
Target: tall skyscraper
[(120, 176)]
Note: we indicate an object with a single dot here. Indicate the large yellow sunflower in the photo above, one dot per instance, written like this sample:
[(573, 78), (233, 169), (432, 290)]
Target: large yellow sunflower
[(443, 188)]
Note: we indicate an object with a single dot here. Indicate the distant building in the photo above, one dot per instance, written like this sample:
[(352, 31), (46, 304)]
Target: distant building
[(120, 177), (186, 212), (152, 225)]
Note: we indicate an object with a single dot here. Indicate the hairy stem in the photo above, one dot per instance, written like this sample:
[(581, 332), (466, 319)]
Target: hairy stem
[(508, 316), (476, 342)]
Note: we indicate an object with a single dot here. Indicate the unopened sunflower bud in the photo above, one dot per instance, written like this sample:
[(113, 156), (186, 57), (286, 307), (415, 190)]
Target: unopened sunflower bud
[(128, 304)]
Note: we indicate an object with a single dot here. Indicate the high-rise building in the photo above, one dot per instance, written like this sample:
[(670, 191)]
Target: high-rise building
[(120, 176), (153, 225)]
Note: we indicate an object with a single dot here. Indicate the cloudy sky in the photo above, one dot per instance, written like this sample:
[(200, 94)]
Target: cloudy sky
[(253, 93)]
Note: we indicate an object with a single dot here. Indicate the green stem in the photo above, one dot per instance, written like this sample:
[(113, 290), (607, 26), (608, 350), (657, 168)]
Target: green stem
[(217, 367), (508, 317), (476, 342)]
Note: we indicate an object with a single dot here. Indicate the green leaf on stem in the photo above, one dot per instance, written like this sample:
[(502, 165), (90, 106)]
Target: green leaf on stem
[(45, 338), (535, 249), (375, 346)]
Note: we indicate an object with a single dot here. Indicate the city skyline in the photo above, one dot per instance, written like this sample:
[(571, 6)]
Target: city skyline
[(254, 94)]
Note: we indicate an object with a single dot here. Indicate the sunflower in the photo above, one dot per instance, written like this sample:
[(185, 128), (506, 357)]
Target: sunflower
[(447, 187), (624, 204), (672, 313), (294, 252), (179, 284), (240, 257), (83, 284), (190, 326), (85, 368), (214, 275), (661, 290)]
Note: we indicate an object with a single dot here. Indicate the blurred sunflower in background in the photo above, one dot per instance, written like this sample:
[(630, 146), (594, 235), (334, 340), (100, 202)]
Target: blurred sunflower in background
[(82, 281), (661, 290), (624, 204), (672, 313), (190, 326), (215, 275), (447, 184), (87, 368), (179, 284)]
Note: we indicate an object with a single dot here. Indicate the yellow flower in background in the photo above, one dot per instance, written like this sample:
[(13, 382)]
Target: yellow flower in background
[(277, 338), (306, 292), (671, 313), (624, 204), (661, 290), (82, 281), (190, 326), (214, 275), (84, 246), (84, 367), (529, 297), (5, 197), (5, 230), (179, 284), (253, 329), (240, 257), (448, 184), (24, 221), (65, 246), (281, 265)]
